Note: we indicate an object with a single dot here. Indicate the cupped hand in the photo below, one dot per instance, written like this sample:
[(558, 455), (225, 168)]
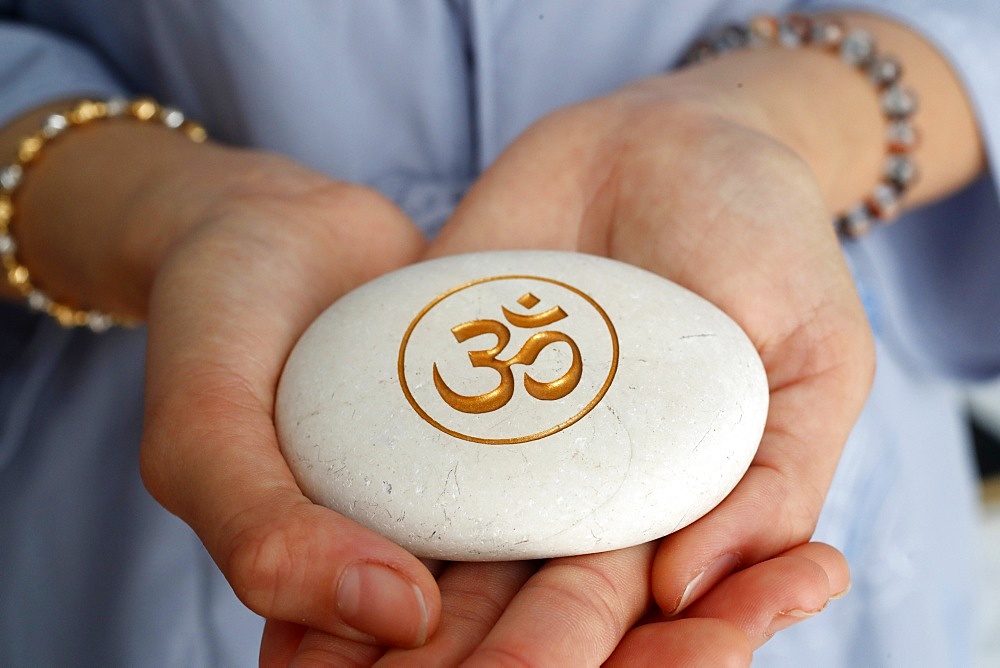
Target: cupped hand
[(227, 305), (703, 191)]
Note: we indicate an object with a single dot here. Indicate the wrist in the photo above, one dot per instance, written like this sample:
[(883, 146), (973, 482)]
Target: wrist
[(100, 203), (72, 172), (806, 100), (830, 113)]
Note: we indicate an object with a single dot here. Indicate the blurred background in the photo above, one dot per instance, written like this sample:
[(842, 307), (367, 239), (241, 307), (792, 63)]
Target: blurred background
[(984, 405)]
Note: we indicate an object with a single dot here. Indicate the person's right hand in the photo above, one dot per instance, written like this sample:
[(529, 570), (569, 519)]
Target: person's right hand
[(228, 303)]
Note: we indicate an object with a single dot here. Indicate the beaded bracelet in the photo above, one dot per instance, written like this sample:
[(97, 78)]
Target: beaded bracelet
[(857, 49), (28, 151)]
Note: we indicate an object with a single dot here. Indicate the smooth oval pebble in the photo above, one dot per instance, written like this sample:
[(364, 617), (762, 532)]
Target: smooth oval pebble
[(521, 404)]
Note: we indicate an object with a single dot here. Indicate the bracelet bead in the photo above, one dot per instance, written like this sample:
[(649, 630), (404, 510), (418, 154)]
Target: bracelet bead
[(856, 48), (12, 176)]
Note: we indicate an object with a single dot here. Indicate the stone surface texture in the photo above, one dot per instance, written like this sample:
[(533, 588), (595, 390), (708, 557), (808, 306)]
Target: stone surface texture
[(620, 408)]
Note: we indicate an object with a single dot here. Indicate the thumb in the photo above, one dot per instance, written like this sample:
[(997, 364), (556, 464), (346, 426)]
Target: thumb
[(547, 190), (218, 336)]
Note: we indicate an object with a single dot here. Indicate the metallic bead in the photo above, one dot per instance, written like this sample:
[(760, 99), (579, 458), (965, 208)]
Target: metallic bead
[(794, 31), (39, 301), (9, 263), (826, 33), (900, 171), (857, 48), (7, 245), (6, 212), (172, 118), (117, 107), (66, 316), (898, 102), (856, 222), (764, 28), (18, 276), (10, 177), (884, 201), (195, 132), (901, 136), (788, 38), (54, 125), (144, 109), (85, 112), (29, 148), (884, 71), (98, 322)]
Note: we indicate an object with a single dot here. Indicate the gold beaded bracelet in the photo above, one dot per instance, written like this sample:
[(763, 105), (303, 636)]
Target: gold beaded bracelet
[(857, 49), (28, 152)]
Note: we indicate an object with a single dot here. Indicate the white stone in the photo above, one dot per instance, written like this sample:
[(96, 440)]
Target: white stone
[(660, 424)]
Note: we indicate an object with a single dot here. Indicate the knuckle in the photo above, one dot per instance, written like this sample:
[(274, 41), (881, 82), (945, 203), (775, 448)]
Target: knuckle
[(477, 608), (260, 566), (593, 596), (151, 471), (503, 657)]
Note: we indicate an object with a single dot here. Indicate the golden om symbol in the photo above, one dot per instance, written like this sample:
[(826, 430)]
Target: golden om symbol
[(502, 393)]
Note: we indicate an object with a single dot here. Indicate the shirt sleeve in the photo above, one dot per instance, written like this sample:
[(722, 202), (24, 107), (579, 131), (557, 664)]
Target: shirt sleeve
[(38, 66), (930, 280)]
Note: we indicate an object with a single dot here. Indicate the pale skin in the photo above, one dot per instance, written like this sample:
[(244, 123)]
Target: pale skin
[(722, 177)]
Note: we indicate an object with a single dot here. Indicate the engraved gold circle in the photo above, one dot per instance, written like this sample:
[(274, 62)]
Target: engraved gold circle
[(400, 365)]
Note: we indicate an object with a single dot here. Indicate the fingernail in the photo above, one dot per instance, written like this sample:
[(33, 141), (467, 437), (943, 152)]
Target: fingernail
[(711, 574), (783, 620), (378, 601), (841, 594)]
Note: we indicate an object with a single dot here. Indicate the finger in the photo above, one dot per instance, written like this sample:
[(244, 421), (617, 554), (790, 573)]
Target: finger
[(742, 612), (685, 643), (473, 596), (800, 308), (778, 593), (217, 342), (832, 561), (778, 501), (279, 643), (574, 611), (539, 194), (322, 649)]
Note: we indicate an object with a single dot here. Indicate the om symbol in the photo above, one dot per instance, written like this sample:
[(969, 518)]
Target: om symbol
[(499, 396), (518, 404)]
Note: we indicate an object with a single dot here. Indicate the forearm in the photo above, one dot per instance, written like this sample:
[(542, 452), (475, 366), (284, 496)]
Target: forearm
[(828, 112)]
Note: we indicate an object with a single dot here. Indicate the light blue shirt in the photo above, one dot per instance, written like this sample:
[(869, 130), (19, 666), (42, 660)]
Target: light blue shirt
[(416, 97)]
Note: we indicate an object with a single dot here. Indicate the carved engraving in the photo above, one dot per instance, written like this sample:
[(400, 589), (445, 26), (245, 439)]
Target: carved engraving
[(502, 394), (548, 344)]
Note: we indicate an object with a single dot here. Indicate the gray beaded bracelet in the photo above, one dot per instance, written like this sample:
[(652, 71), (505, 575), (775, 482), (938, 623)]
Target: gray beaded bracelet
[(857, 49), (28, 151)]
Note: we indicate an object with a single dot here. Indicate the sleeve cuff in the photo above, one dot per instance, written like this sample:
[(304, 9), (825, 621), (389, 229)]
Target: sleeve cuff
[(39, 67)]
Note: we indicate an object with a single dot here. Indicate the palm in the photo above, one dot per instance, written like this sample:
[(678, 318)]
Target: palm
[(737, 218)]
